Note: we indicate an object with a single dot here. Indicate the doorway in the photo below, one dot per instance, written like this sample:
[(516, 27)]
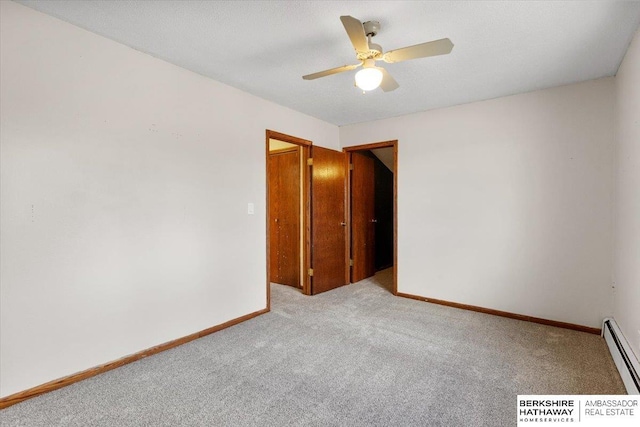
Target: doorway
[(310, 242), (372, 200), (306, 215), (287, 213)]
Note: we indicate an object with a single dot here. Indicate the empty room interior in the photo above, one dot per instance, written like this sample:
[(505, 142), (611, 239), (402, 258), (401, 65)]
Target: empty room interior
[(316, 213)]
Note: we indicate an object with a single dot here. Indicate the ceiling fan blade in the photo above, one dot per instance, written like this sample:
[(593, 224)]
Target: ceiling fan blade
[(330, 72), (422, 50), (388, 83), (355, 31)]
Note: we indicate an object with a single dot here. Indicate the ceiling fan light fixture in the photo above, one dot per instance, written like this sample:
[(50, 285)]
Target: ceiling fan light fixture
[(368, 78), (372, 77)]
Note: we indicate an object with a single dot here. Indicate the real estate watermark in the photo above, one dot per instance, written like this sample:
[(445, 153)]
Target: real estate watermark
[(583, 410)]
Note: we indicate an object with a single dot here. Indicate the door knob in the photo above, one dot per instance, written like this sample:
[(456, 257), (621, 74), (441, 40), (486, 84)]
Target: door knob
[(344, 224), (374, 220)]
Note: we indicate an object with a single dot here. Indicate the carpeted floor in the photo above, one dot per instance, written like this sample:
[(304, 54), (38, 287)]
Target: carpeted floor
[(355, 356)]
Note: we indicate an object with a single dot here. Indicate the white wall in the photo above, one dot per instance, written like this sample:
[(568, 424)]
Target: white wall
[(125, 183), (506, 204), (627, 197)]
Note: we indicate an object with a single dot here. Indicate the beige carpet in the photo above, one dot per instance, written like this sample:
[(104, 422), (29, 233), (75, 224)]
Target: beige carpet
[(355, 356)]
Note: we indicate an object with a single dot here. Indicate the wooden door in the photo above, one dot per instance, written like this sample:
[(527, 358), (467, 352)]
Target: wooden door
[(284, 217), (328, 220), (363, 219)]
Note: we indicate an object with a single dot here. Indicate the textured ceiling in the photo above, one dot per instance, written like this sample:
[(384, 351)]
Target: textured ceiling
[(264, 48)]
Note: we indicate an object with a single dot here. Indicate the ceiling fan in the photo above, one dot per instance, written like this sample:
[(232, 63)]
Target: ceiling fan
[(370, 77)]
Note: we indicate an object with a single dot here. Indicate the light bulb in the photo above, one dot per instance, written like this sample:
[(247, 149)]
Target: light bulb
[(368, 78)]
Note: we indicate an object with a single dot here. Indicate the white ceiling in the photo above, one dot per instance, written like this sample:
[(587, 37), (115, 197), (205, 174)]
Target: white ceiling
[(264, 48)]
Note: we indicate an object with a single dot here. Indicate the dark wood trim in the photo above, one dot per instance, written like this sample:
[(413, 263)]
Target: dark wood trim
[(395, 218), (347, 211), (371, 146), (283, 150), (516, 316), (306, 237), (287, 138), (266, 217), (374, 145), (306, 199), (10, 400), (346, 203)]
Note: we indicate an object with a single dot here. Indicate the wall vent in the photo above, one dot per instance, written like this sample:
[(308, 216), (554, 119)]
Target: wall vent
[(623, 356)]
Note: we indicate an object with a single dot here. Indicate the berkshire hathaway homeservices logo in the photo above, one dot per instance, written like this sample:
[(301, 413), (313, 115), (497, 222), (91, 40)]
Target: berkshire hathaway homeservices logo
[(585, 410), (547, 410)]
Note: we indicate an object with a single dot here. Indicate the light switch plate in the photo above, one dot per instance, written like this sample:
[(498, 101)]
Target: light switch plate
[(250, 209)]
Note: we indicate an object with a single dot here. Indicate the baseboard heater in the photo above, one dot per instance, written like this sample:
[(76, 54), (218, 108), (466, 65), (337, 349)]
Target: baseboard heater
[(623, 356)]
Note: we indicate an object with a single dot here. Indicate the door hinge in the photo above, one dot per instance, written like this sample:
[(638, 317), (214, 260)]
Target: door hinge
[(350, 166), (310, 161), (350, 263), (310, 272)]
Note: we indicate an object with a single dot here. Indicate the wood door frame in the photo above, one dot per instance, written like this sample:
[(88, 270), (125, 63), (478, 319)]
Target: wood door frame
[(283, 150), (306, 218), (365, 147)]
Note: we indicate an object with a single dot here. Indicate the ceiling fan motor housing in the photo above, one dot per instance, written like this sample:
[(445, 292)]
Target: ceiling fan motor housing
[(371, 28), (375, 48)]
